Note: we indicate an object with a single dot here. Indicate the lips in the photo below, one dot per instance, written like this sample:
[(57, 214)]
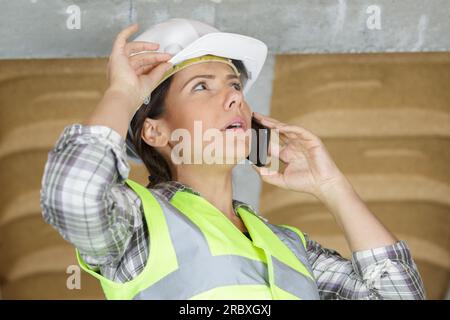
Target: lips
[(235, 123)]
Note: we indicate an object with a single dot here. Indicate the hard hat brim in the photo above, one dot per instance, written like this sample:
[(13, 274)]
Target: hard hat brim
[(252, 52)]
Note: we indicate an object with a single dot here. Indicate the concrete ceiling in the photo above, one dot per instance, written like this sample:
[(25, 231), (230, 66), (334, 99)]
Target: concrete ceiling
[(62, 29)]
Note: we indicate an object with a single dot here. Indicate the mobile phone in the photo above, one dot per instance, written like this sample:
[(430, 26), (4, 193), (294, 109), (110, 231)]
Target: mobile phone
[(260, 144)]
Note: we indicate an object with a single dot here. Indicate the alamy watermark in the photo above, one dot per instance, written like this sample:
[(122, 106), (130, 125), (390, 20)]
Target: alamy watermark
[(214, 146), (73, 281), (74, 19), (373, 22)]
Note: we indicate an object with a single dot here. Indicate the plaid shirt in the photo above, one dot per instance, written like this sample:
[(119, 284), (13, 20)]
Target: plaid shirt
[(85, 198)]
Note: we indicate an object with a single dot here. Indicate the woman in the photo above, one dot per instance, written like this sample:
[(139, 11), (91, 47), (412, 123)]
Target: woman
[(184, 236)]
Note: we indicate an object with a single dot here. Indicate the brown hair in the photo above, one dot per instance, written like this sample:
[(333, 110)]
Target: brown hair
[(155, 163)]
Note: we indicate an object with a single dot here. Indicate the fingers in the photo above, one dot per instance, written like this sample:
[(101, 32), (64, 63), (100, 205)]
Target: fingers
[(275, 145), (121, 39), (283, 149), (277, 152), (150, 80), (293, 132), (287, 155), (275, 134), (144, 69), (286, 130), (265, 120), (269, 176), (150, 58), (290, 131), (134, 47), (263, 171), (274, 149)]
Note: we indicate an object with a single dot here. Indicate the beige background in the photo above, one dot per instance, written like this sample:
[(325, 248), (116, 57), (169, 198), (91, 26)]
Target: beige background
[(385, 118)]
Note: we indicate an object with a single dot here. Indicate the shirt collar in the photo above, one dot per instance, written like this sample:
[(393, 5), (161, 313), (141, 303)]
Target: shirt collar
[(169, 188)]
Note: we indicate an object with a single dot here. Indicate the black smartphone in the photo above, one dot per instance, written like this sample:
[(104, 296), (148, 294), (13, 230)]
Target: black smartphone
[(260, 144)]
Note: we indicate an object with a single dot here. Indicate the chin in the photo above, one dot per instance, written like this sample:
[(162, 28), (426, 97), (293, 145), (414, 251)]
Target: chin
[(237, 157)]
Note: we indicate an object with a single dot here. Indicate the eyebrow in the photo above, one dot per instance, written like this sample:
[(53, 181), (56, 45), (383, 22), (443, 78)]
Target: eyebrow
[(209, 76)]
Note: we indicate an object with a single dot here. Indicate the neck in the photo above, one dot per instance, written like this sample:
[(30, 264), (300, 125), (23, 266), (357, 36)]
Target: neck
[(213, 182)]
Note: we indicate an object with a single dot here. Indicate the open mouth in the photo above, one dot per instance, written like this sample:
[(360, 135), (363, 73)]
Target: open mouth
[(235, 125)]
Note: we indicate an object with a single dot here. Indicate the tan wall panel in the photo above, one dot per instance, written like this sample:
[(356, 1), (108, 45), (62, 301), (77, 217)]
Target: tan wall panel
[(51, 286), (384, 119), (38, 98)]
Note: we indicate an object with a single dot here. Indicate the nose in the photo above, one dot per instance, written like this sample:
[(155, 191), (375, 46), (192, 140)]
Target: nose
[(233, 99)]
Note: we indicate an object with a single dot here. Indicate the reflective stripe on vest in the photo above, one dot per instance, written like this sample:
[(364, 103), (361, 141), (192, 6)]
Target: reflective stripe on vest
[(204, 255)]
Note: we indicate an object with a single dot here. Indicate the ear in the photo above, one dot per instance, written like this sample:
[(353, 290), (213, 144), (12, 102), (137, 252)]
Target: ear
[(154, 133)]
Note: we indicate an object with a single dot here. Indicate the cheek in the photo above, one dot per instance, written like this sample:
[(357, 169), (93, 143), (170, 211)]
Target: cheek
[(204, 116), (195, 123), (183, 116)]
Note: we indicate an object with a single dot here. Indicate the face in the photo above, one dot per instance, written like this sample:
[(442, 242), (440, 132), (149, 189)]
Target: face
[(204, 99)]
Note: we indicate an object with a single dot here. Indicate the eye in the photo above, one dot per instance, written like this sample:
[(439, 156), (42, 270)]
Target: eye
[(198, 84), (237, 86)]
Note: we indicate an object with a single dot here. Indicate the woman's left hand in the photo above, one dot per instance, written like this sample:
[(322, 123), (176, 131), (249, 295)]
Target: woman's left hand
[(309, 167)]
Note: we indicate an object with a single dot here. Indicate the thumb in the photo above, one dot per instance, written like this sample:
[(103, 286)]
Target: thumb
[(270, 176), (256, 168)]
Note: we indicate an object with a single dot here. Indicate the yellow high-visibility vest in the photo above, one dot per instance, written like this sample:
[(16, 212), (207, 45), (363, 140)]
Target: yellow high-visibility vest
[(196, 252)]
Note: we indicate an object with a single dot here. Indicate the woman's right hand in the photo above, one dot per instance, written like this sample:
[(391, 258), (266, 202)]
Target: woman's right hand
[(135, 76)]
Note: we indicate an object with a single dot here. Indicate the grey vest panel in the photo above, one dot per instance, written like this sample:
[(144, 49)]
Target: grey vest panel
[(200, 271), (285, 276), (293, 241)]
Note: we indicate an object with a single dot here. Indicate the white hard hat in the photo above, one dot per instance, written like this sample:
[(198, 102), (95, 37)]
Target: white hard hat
[(186, 39)]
